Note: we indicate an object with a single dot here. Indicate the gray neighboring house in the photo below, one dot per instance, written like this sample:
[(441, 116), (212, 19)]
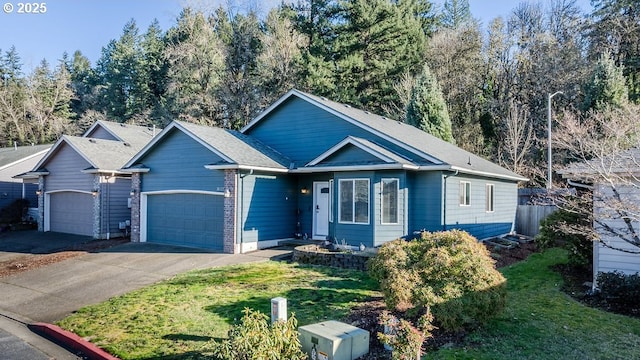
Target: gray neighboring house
[(13, 161), (612, 253), (82, 189)]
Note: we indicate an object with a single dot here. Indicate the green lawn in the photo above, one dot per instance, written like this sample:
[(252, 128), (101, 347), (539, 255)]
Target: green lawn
[(542, 322), (177, 318)]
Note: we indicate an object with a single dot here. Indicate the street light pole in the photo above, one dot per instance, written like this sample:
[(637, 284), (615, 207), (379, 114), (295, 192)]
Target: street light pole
[(549, 137)]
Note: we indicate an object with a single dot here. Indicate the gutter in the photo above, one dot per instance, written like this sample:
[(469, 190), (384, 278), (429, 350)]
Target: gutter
[(444, 202), (580, 185)]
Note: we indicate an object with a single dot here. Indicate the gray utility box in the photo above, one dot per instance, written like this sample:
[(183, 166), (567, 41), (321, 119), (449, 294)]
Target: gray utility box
[(333, 340)]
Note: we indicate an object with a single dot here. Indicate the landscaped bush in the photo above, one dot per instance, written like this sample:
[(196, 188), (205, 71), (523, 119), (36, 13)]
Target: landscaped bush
[(620, 292), (449, 274), (254, 339), (14, 212), (568, 228)]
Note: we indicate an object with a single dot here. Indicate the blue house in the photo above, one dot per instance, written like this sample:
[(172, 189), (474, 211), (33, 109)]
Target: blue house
[(308, 165)]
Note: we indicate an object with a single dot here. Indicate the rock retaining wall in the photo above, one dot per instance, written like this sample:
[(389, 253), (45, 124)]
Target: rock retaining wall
[(312, 254)]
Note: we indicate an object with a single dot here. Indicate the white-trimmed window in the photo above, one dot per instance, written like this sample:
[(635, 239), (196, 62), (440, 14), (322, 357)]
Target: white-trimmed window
[(465, 193), (353, 199), (331, 201), (389, 200), (489, 190)]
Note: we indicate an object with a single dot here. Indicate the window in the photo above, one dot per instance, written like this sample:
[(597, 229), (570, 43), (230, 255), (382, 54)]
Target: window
[(390, 190), (331, 201), (465, 193), (489, 198), (354, 201)]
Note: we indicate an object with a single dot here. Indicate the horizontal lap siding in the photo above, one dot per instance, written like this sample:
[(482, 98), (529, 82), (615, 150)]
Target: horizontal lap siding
[(302, 131), (425, 201), (607, 259), (269, 205), (65, 171), (474, 218), (178, 163), (101, 133)]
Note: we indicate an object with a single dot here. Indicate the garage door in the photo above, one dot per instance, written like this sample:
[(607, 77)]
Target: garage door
[(71, 213), (194, 220)]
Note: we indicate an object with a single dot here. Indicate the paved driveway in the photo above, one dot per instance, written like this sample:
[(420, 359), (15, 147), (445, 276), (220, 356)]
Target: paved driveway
[(50, 293)]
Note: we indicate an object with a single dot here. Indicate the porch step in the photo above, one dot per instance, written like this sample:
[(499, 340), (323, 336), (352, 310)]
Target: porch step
[(299, 242)]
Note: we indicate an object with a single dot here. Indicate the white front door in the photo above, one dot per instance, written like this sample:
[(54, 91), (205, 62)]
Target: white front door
[(320, 210)]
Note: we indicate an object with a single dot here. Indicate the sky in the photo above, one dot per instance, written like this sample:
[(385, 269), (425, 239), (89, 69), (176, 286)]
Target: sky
[(88, 25)]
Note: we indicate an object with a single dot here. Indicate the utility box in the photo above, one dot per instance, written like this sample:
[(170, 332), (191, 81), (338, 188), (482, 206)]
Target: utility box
[(333, 340), (278, 309)]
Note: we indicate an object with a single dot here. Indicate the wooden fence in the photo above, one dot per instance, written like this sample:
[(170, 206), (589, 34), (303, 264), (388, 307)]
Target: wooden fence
[(528, 218)]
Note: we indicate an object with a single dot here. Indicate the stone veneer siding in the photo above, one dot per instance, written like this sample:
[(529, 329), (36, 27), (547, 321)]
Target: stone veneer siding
[(136, 180), (312, 254), (41, 203), (229, 241)]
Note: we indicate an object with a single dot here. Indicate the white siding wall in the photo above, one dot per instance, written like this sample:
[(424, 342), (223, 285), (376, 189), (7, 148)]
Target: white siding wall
[(605, 258)]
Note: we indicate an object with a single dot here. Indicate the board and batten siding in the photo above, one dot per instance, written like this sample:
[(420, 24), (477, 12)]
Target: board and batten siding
[(114, 193), (65, 171), (606, 259), (425, 201), (474, 218), (177, 163), (302, 131), (100, 133), (268, 208)]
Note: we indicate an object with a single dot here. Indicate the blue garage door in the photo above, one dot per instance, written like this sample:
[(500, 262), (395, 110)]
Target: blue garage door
[(194, 220)]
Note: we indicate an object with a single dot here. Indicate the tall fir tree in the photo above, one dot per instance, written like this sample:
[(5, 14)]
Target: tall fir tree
[(456, 13), (607, 86), (427, 109)]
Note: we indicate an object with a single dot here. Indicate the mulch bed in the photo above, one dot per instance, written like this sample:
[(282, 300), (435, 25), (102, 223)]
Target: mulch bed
[(366, 315), (34, 261)]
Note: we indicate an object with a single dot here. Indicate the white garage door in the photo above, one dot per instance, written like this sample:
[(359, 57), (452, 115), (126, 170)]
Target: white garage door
[(194, 220), (71, 213)]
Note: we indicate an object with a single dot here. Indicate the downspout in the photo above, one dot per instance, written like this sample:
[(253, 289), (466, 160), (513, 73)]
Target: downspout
[(241, 222), (444, 202)]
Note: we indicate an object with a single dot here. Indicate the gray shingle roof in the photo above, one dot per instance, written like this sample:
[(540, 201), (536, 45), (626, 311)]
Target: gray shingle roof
[(621, 163), (105, 155), (235, 147), (137, 136), (418, 141), (10, 155)]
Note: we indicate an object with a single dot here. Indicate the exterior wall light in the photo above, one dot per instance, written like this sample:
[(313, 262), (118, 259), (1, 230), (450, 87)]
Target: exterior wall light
[(304, 190), (95, 193), (38, 192), (227, 193)]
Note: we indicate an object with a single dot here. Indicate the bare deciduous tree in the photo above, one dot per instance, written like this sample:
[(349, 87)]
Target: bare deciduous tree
[(517, 140), (606, 149)]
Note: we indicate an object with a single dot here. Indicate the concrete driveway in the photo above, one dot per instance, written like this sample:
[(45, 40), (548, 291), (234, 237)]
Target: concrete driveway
[(50, 293)]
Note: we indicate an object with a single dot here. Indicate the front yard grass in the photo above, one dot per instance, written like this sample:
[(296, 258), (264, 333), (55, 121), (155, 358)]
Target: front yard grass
[(175, 319), (542, 322)]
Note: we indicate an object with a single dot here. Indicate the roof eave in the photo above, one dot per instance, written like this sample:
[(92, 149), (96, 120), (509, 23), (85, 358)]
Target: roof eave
[(246, 167)]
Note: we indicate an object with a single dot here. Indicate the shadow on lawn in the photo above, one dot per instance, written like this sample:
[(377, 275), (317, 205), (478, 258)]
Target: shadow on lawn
[(309, 304), (189, 355)]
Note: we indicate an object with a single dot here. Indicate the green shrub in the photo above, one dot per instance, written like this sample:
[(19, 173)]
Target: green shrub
[(14, 212), (254, 339), (449, 274), (568, 229), (404, 338), (620, 292)]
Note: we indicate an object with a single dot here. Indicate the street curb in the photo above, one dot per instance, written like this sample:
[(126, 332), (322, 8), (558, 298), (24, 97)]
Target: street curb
[(71, 341)]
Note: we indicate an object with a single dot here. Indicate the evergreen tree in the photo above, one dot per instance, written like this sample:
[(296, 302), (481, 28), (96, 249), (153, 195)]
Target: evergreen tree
[(427, 109), (84, 85), (153, 78), (607, 86), (122, 72), (377, 42), (456, 13)]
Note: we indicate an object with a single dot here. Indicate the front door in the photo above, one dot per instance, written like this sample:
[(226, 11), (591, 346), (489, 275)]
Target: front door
[(321, 210)]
